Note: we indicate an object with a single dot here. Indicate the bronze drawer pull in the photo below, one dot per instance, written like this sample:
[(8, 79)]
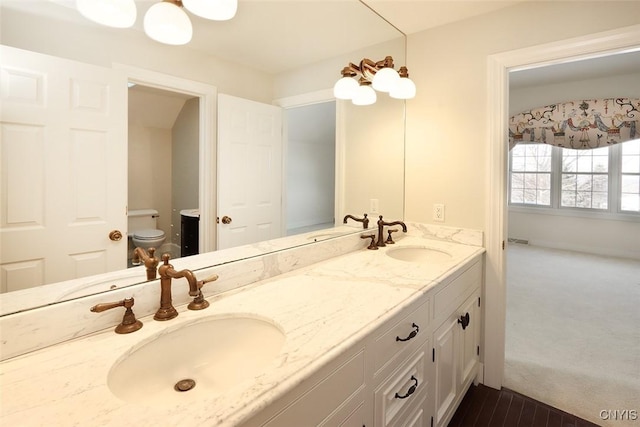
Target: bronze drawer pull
[(464, 321), (413, 333), (411, 390)]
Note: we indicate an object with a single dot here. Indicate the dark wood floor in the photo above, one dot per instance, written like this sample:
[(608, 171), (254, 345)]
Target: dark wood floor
[(485, 406)]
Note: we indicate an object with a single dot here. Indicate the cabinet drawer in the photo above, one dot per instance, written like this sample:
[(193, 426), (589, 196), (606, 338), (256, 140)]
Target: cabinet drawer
[(402, 338), (323, 398), (395, 396), (454, 293)]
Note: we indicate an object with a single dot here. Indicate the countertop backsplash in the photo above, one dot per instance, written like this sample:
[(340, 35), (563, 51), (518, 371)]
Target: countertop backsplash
[(42, 327)]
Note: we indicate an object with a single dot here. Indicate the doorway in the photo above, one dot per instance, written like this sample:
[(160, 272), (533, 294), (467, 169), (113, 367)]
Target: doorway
[(310, 135), (163, 159), (499, 65), (207, 172)]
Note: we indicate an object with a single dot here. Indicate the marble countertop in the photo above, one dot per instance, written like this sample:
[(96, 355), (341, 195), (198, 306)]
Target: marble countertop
[(322, 309)]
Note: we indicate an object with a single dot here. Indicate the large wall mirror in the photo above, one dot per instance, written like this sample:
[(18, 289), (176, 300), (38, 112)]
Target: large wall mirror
[(274, 52)]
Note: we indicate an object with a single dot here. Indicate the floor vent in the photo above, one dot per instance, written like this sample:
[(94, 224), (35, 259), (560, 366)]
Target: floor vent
[(520, 241)]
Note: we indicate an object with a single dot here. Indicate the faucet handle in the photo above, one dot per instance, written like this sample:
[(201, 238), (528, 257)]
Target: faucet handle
[(389, 240), (129, 322), (372, 246), (199, 303)]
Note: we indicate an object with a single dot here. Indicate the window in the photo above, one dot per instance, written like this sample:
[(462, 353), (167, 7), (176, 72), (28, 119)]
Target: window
[(630, 176), (531, 174), (605, 179), (585, 178)]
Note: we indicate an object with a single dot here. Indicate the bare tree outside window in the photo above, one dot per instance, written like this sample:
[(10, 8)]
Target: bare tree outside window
[(531, 174), (585, 178)]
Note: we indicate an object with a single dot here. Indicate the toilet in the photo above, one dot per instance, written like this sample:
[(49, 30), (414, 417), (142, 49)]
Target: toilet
[(142, 229)]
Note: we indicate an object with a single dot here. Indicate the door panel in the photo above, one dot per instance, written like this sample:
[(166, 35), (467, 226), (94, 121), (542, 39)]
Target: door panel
[(250, 171), (64, 169)]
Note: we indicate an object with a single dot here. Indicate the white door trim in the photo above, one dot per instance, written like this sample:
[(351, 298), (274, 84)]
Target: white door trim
[(317, 97), (207, 140), (499, 65)]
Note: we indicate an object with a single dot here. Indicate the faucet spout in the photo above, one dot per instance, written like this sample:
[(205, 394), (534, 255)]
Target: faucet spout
[(167, 272), (150, 261), (364, 220), (381, 224)]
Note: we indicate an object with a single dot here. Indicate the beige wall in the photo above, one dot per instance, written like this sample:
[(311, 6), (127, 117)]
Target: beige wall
[(105, 46), (447, 121), (185, 165)]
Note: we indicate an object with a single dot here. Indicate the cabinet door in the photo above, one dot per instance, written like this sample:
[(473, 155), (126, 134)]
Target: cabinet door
[(469, 340), (446, 366)]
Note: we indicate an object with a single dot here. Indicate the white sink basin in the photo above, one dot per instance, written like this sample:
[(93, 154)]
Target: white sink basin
[(419, 254), (216, 354)]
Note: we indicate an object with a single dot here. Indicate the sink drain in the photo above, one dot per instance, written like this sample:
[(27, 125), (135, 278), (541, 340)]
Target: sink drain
[(184, 385)]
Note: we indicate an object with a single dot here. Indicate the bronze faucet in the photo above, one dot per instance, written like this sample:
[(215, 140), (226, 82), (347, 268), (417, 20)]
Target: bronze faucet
[(364, 221), (381, 225), (150, 261), (167, 272)]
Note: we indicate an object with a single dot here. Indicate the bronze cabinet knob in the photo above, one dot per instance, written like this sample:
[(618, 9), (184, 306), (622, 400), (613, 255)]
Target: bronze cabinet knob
[(115, 235)]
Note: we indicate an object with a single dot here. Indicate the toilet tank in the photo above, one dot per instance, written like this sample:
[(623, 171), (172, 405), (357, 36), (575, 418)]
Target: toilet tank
[(142, 219)]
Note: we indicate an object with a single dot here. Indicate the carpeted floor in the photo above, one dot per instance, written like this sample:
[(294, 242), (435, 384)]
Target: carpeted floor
[(573, 331)]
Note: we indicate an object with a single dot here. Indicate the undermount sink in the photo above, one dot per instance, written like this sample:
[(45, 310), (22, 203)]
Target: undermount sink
[(198, 359), (419, 254)]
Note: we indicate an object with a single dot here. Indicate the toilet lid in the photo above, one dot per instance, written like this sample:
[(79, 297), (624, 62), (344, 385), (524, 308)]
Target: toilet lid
[(148, 234)]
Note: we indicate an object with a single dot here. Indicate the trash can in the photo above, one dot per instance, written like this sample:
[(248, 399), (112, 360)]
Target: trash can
[(189, 232)]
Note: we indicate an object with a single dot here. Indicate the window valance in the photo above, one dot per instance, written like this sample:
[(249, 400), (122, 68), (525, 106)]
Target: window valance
[(583, 124)]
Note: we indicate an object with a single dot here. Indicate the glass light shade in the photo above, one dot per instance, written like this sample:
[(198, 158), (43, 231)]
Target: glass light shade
[(112, 13), (365, 95), (404, 88), (385, 79), (218, 10), (167, 23), (345, 88)]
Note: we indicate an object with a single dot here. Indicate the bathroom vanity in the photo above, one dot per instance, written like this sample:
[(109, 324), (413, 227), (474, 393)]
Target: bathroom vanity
[(324, 334)]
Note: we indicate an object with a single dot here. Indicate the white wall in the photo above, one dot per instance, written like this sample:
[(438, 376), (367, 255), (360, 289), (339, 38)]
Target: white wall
[(447, 146), (601, 234), (310, 164)]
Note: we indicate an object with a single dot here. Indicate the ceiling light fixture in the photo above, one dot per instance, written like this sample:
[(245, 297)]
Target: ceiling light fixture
[(166, 22), (112, 13), (371, 75)]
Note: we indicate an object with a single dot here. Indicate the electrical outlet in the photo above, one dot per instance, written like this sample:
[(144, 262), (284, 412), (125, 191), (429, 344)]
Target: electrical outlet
[(438, 212), (373, 206)]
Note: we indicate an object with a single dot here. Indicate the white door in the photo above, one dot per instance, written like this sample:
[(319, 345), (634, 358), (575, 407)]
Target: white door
[(249, 171), (63, 171)]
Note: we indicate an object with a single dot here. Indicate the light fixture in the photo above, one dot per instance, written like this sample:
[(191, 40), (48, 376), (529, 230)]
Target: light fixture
[(364, 95), (371, 75), (167, 23), (386, 77), (217, 10), (112, 13), (346, 87), (404, 87)]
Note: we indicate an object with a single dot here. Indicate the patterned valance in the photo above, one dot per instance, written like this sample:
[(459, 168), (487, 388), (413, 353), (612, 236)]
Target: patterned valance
[(585, 124)]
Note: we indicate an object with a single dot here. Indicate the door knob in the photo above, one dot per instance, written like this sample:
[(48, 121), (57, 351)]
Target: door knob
[(226, 220), (115, 235)]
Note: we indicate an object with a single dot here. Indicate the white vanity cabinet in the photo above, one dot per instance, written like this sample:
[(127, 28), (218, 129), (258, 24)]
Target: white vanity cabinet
[(410, 371), (456, 341)]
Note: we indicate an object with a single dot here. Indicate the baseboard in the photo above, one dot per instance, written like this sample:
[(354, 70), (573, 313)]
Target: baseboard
[(612, 252)]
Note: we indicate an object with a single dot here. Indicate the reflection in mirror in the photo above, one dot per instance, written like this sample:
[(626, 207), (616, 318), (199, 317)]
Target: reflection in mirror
[(362, 183)]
